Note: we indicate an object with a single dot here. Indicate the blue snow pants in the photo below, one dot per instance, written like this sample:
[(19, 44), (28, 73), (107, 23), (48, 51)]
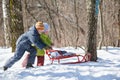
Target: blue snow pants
[(19, 52)]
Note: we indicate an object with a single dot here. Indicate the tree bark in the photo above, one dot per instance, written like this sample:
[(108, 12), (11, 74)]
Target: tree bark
[(101, 25), (6, 22), (16, 26), (24, 14), (92, 29), (119, 24)]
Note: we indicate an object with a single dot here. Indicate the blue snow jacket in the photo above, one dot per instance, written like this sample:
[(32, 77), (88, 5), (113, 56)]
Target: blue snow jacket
[(31, 37), (24, 43)]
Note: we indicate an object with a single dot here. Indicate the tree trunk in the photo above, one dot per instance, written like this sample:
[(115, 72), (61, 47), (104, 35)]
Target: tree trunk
[(92, 29), (119, 24), (101, 25), (6, 22), (16, 21), (24, 11)]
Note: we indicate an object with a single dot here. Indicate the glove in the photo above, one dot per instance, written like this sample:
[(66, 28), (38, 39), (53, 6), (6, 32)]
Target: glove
[(48, 47), (52, 44)]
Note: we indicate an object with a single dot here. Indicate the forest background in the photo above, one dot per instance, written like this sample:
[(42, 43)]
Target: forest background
[(67, 19)]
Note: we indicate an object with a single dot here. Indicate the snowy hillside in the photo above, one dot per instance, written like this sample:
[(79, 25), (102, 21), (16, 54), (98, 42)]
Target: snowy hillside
[(107, 67)]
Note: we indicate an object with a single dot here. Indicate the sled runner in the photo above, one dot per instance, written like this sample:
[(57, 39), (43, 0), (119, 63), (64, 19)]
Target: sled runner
[(58, 55)]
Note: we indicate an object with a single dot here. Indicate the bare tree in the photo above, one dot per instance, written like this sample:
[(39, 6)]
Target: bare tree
[(6, 22), (16, 21), (24, 12), (92, 29), (67, 19), (119, 23), (101, 25)]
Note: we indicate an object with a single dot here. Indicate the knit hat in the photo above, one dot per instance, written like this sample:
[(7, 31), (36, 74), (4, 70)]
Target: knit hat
[(39, 25), (46, 27)]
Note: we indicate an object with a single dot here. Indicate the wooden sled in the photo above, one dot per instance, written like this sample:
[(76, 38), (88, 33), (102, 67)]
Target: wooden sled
[(80, 58)]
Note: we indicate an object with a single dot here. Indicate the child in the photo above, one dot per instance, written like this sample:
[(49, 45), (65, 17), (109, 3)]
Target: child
[(41, 52), (24, 43)]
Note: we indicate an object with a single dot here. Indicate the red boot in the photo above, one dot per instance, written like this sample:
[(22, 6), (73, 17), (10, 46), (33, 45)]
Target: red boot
[(40, 60)]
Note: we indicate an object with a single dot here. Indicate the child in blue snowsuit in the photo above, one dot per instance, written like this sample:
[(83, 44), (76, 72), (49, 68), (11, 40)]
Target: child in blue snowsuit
[(24, 43)]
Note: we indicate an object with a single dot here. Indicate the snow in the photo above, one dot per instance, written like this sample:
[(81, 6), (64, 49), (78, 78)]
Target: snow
[(106, 68)]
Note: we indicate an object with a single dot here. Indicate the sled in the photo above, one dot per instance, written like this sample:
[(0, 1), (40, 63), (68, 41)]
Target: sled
[(80, 58)]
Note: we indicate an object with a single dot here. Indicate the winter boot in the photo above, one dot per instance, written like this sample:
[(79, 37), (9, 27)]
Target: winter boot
[(5, 68), (29, 65), (40, 60)]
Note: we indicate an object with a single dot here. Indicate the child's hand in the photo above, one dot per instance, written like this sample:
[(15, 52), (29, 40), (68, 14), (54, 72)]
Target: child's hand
[(48, 47), (52, 44)]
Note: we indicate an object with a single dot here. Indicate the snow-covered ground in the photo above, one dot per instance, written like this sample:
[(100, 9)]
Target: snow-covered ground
[(106, 68)]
